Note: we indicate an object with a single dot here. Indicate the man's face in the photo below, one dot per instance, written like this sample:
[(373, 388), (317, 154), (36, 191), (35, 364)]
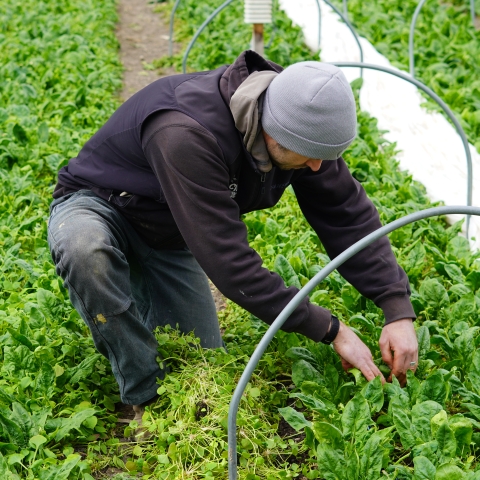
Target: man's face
[(286, 159)]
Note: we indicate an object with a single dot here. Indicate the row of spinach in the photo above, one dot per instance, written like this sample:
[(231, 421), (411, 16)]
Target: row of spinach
[(447, 48), (59, 71)]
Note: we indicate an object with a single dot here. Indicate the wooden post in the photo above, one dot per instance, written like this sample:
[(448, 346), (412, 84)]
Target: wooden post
[(257, 39)]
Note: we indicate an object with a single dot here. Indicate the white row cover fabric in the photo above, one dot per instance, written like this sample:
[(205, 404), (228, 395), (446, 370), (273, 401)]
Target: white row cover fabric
[(258, 11), (430, 148)]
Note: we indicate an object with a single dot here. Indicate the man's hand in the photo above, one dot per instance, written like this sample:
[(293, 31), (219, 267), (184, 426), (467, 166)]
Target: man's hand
[(355, 353), (399, 346)]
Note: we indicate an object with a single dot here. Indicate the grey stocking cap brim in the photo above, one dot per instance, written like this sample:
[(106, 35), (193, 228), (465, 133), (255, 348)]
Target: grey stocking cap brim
[(310, 109)]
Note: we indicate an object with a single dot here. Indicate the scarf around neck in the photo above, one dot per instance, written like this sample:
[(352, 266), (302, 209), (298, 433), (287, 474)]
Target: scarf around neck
[(246, 106)]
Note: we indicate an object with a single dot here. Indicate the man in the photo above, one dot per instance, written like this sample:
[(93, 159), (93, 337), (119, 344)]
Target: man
[(154, 199)]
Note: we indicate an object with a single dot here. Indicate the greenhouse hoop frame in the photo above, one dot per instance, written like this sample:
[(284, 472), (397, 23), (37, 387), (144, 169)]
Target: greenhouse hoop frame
[(445, 108), (297, 299)]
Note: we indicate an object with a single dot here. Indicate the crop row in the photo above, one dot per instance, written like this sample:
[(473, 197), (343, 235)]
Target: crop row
[(58, 74), (447, 48)]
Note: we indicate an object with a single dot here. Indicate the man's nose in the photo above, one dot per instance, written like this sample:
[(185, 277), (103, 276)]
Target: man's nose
[(314, 164)]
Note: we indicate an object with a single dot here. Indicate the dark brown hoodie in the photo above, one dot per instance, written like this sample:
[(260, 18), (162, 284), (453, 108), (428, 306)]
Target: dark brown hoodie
[(204, 194)]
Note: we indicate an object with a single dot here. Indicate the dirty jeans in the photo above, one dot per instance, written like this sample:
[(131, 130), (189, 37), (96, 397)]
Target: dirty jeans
[(124, 289)]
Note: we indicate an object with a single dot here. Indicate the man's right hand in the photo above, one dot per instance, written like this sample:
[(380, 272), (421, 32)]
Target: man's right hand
[(355, 354)]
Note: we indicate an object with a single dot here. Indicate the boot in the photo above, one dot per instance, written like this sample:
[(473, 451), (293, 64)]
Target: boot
[(141, 433)]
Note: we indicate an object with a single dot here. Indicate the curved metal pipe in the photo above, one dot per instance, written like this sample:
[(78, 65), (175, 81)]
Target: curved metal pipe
[(293, 304), (410, 37), (319, 23), (200, 30), (349, 25), (274, 29), (445, 108), (472, 11), (170, 36)]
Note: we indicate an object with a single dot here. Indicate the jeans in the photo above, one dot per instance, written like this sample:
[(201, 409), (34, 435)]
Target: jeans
[(124, 289)]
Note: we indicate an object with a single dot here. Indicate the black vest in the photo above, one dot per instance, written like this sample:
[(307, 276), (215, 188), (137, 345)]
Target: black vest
[(113, 159)]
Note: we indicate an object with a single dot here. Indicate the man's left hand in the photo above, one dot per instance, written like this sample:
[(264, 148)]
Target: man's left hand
[(399, 346)]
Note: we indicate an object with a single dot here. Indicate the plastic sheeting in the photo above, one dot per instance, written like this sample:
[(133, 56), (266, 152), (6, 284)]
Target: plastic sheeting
[(430, 148)]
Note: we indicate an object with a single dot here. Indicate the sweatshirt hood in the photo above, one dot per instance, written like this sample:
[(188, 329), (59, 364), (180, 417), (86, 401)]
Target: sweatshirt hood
[(242, 87)]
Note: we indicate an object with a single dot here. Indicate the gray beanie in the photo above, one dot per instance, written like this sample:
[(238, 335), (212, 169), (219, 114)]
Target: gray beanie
[(309, 108)]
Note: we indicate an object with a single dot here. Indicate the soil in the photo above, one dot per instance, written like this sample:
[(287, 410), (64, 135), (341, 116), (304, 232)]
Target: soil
[(143, 37)]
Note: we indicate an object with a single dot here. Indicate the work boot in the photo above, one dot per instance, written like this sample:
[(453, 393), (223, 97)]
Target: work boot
[(141, 433)]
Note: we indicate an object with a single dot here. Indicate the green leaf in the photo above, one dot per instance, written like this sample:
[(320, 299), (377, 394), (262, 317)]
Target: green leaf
[(434, 293), (449, 472), (3, 115), (42, 132), (439, 419), (286, 271), (356, 418), (423, 337), (433, 388), (73, 423), (271, 229), (424, 469), (302, 371), (463, 430), (413, 386), (454, 272), (473, 280), (326, 433), (427, 449), (22, 418), (331, 463), (37, 440), (19, 358), (63, 472), (295, 419), (465, 344), (473, 409), (402, 422), (84, 369), (48, 302), (20, 134), (373, 392), (322, 406), (20, 338), (422, 413), (45, 381), (447, 445), (458, 248), (415, 261), (465, 307), (372, 458), (300, 353), (12, 430)]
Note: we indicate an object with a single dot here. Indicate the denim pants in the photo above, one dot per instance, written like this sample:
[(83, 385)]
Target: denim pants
[(124, 289)]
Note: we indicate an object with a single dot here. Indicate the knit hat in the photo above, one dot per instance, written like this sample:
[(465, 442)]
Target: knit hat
[(309, 109)]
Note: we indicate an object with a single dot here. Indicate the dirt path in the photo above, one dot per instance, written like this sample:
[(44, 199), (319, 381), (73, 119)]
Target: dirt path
[(143, 37)]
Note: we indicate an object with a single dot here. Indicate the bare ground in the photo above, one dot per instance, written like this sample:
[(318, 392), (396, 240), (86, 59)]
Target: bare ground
[(143, 37)]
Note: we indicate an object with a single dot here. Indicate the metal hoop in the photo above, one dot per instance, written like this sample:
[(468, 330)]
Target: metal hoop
[(445, 108), (293, 304)]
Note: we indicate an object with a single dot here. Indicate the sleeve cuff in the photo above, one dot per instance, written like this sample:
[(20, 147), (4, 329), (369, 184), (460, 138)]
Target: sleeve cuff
[(396, 308), (316, 325)]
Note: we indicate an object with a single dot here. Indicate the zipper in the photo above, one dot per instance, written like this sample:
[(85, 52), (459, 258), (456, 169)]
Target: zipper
[(262, 182)]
